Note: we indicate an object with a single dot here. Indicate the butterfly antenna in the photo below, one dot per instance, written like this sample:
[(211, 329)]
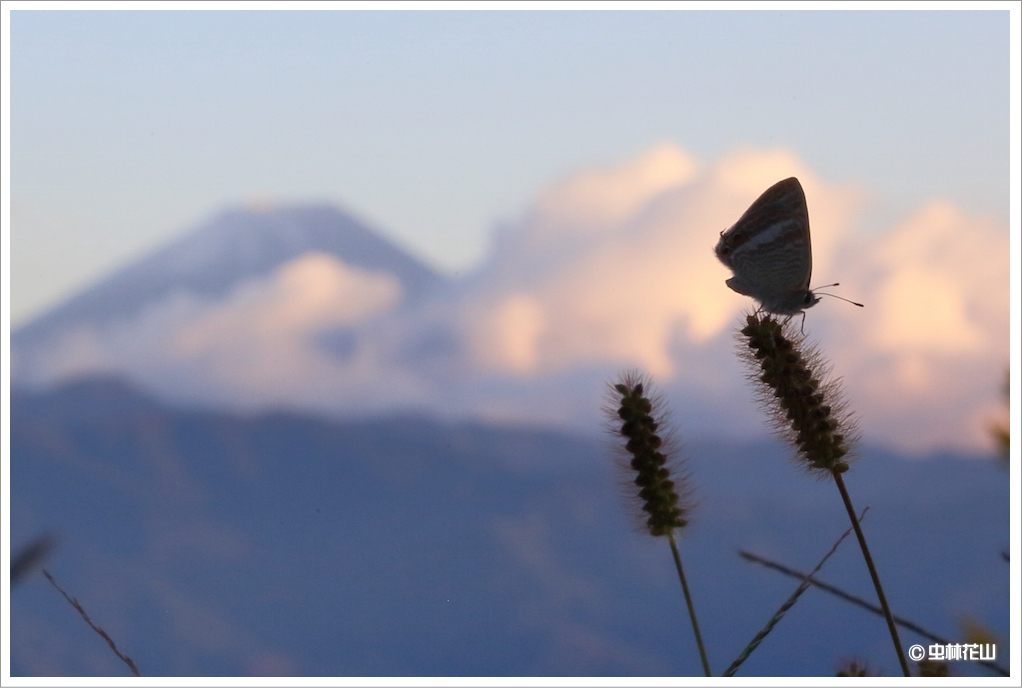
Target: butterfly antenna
[(835, 296)]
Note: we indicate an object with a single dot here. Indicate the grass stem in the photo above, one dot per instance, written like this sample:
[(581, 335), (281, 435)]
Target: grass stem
[(688, 602), (103, 634), (891, 625)]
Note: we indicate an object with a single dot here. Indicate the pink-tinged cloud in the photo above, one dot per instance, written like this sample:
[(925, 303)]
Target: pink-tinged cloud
[(252, 349), (259, 338), (929, 357), (619, 294), (611, 269), (922, 362)]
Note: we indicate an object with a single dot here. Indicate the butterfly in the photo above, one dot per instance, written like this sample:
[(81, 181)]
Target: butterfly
[(769, 250)]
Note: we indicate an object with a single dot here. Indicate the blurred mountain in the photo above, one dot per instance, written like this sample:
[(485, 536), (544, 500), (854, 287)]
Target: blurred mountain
[(214, 258), (607, 270), (208, 543)]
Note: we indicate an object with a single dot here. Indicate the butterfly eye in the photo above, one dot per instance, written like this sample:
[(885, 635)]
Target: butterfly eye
[(809, 299)]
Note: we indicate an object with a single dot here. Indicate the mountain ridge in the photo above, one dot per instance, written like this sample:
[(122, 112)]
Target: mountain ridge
[(218, 254), (210, 543), (599, 276)]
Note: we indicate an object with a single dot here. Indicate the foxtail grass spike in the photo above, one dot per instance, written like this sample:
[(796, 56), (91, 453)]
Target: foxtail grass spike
[(807, 412), (636, 418), (648, 452)]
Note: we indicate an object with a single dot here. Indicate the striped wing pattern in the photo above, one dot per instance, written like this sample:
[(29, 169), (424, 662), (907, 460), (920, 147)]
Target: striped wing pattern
[(769, 250)]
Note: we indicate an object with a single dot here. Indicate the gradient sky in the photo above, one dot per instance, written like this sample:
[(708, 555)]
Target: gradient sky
[(128, 128)]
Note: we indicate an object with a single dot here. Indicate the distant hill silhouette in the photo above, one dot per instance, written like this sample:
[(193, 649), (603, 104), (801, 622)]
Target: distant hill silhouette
[(213, 544)]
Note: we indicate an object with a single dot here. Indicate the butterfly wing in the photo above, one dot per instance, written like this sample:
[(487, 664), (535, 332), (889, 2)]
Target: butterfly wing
[(769, 249)]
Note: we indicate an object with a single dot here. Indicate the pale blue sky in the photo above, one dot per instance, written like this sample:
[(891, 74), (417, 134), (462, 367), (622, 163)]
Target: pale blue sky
[(128, 128)]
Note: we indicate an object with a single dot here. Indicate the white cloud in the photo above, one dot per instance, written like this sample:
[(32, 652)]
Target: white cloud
[(258, 346), (506, 335), (611, 269), (621, 294), (261, 336), (930, 349), (945, 283), (644, 289), (602, 198)]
